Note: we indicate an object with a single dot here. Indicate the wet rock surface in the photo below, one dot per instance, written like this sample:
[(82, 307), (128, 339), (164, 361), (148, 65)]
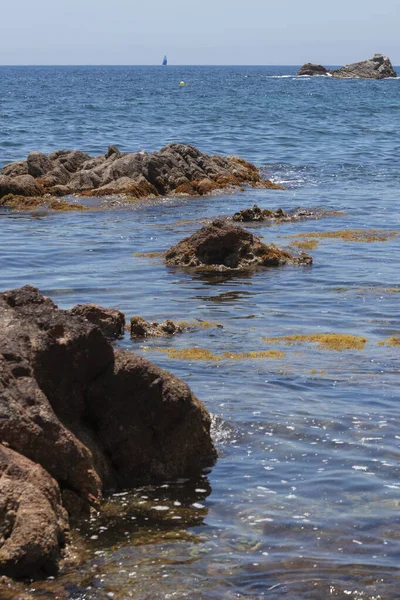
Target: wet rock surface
[(377, 67), (175, 169), (140, 328), (78, 417), (222, 245)]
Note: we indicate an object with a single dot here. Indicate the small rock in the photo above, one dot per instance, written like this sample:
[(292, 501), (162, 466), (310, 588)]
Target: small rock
[(110, 321)]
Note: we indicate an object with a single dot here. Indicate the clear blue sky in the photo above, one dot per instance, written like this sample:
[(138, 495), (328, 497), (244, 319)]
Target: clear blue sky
[(249, 32)]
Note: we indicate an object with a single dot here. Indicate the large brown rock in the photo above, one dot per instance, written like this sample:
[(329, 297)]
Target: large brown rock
[(33, 522), (222, 245), (20, 185), (311, 69), (109, 320), (377, 67), (175, 169), (90, 416)]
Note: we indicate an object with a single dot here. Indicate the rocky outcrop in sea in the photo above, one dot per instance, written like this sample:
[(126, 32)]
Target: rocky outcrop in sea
[(377, 67), (224, 246), (175, 169), (79, 417)]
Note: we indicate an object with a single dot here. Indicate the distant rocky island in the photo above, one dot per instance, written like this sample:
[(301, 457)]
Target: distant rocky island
[(377, 67)]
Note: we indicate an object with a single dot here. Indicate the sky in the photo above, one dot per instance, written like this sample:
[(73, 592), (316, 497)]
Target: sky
[(206, 32)]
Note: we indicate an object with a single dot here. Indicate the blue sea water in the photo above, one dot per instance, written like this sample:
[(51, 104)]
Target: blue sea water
[(303, 502)]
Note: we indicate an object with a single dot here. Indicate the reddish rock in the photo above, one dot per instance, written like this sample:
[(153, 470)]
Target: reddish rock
[(20, 185), (222, 245), (311, 69), (33, 523), (90, 416), (110, 321)]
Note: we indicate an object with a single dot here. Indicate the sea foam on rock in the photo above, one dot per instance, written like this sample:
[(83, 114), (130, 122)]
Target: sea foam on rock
[(78, 417), (175, 169)]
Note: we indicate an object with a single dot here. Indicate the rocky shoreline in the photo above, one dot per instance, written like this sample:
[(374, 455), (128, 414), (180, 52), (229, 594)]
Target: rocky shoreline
[(377, 67), (79, 417), (177, 169)]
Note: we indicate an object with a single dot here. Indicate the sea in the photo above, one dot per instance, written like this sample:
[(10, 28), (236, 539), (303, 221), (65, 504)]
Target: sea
[(304, 500)]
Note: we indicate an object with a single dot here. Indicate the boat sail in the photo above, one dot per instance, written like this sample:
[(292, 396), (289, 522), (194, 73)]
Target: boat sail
[(164, 62)]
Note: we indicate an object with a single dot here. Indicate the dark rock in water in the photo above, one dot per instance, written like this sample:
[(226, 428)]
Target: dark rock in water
[(140, 328), (33, 521), (222, 245), (175, 169), (91, 417), (311, 69), (109, 320), (258, 214), (377, 67), (21, 185)]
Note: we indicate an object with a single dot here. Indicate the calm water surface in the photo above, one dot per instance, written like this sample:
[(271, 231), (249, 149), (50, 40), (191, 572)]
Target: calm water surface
[(304, 500)]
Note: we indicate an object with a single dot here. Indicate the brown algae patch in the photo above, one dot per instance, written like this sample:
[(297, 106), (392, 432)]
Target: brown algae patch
[(149, 254), (350, 235), (306, 244), (204, 354), (194, 323), (392, 341), (327, 341)]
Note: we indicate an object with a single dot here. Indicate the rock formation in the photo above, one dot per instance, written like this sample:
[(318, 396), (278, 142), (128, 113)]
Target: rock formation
[(311, 69), (377, 67), (78, 417), (140, 328), (175, 169), (257, 214), (109, 320), (222, 245)]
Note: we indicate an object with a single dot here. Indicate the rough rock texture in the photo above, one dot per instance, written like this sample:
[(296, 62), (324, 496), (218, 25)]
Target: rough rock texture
[(109, 320), (256, 214), (311, 69), (222, 245), (140, 328), (33, 522), (175, 169), (91, 417), (377, 67)]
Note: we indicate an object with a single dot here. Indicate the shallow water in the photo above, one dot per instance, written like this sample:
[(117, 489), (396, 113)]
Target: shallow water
[(304, 500)]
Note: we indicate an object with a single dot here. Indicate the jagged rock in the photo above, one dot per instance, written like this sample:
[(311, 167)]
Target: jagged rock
[(311, 69), (21, 185), (38, 164), (222, 245), (33, 522), (90, 416), (140, 328), (175, 169), (256, 214), (109, 320), (15, 168), (377, 67)]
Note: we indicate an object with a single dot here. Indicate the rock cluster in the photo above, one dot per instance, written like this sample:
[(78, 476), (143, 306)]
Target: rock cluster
[(377, 67), (140, 328), (222, 245), (77, 417), (175, 169), (257, 214)]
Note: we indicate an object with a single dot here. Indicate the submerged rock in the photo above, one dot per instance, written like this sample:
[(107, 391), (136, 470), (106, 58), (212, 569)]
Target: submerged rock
[(91, 416), (257, 214), (222, 245), (377, 67), (140, 328), (311, 69), (175, 169)]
